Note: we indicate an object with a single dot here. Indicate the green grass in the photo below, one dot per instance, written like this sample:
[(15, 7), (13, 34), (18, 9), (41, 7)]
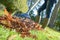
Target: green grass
[(46, 34)]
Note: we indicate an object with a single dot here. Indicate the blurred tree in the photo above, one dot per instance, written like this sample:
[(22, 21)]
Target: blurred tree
[(55, 19), (57, 22), (54, 14)]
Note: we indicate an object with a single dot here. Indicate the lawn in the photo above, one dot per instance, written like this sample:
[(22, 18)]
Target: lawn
[(46, 34)]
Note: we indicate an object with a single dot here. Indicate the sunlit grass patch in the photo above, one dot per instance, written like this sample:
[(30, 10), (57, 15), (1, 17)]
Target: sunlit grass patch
[(46, 34)]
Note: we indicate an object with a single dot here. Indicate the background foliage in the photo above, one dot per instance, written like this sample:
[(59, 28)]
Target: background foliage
[(13, 5)]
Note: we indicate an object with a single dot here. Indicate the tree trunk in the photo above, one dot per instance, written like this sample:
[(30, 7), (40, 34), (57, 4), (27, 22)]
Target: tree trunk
[(54, 14)]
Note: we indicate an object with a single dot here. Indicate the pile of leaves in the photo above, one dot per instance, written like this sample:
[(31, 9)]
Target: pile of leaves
[(21, 25)]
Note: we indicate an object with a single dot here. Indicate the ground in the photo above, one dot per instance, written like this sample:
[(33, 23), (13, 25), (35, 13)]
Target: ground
[(46, 34)]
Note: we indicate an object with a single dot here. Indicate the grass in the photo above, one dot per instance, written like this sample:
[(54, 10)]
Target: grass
[(46, 34)]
